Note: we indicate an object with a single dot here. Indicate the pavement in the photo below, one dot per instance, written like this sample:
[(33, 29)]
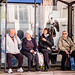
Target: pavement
[(43, 73), (52, 71)]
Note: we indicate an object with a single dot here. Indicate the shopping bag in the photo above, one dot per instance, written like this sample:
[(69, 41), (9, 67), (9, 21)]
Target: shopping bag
[(40, 58), (72, 63)]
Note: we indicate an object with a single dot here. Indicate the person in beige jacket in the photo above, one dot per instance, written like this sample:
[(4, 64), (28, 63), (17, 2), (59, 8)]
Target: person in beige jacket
[(66, 46)]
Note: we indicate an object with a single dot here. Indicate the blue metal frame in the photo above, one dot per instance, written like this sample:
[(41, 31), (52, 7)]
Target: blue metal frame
[(24, 1), (39, 18)]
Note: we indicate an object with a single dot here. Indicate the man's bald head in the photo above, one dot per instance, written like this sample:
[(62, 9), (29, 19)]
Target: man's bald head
[(12, 32)]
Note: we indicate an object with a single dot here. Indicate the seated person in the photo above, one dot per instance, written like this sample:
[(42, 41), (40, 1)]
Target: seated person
[(45, 44), (12, 50), (66, 46), (29, 49)]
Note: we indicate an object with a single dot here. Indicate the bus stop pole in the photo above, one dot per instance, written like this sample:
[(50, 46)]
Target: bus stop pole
[(5, 33), (35, 21)]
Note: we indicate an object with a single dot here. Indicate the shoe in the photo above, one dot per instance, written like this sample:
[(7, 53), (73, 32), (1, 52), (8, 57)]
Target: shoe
[(45, 68), (28, 70), (20, 70), (38, 70), (10, 70), (48, 66)]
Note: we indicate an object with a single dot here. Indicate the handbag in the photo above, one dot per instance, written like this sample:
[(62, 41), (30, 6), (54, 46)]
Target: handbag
[(46, 50), (54, 50), (40, 58)]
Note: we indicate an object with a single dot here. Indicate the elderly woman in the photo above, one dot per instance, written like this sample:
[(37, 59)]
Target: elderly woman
[(45, 44), (66, 46), (29, 49)]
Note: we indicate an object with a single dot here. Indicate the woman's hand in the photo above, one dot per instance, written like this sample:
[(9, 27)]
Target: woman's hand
[(34, 53), (43, 39), (48, 48), (31, 51)]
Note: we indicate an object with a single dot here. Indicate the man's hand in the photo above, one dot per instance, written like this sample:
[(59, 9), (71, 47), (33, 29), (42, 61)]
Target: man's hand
[(15, 34), (48, 48), (67, 52), (70, 51), (43, 39)]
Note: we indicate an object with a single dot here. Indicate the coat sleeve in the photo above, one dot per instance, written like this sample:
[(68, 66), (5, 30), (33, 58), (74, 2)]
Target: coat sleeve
[(50, 42), (35, 44), (72, 45), (24, 46), (41, 44), (60, 46), (18, 40)]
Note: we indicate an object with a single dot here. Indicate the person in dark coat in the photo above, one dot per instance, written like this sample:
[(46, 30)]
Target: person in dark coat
[(45, 44), (29, 49)]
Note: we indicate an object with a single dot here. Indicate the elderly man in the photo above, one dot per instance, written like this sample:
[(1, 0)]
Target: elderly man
[(66, 46), (12, 50)]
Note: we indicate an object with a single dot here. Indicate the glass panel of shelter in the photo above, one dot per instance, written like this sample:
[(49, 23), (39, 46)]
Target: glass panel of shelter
[(21, 17)]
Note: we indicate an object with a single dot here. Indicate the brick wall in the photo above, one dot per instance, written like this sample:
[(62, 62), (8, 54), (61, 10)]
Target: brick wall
[(47, 2)]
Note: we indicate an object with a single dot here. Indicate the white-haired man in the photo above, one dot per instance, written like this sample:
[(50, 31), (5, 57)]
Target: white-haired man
[(12, 50)]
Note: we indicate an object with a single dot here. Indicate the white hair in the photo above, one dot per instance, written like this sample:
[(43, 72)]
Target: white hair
[(30, 32)]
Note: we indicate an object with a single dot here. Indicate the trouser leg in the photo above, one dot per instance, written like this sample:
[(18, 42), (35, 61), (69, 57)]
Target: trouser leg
[(20, 59), (9, 60), (29, 56), (64, 57), (36, 62)]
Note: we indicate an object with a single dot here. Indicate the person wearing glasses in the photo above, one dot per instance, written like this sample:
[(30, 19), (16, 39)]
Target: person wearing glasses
[(66, 46)]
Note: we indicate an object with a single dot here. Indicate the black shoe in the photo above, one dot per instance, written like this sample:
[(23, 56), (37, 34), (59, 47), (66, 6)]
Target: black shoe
[(38, 70), (63, 69), (48, 66), (45, 68)]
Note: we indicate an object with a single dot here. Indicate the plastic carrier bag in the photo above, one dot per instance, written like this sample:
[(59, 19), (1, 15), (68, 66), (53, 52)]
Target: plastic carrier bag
[(72, 63), (40, 58)]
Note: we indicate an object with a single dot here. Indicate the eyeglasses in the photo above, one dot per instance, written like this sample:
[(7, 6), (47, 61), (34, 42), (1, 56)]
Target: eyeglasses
[(64, 33)]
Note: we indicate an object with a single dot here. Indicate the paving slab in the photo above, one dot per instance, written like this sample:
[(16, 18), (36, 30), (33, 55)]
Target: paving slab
[(43, 73)]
